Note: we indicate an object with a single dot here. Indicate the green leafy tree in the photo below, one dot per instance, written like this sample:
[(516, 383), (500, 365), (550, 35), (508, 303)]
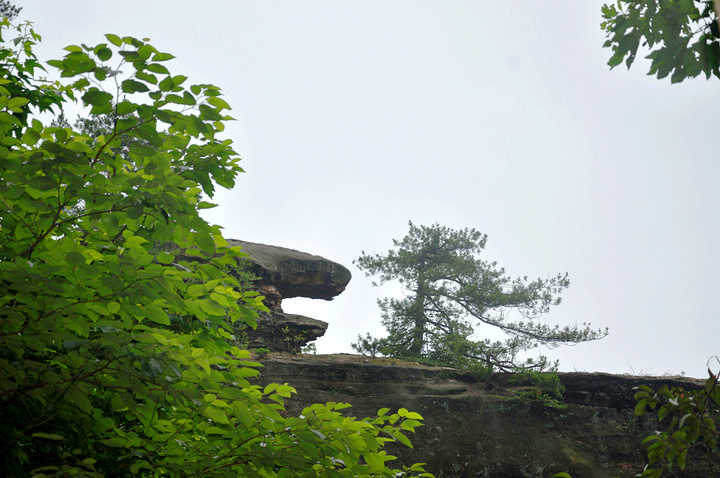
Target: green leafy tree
[(680, 36), (117, 300), (449, 291)]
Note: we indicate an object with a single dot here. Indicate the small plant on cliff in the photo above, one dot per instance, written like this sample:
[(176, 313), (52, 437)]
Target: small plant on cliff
[(546, 388), (115, 355), (310, 348), (542, 398), (450, 291), (293, 340), (545, 382)]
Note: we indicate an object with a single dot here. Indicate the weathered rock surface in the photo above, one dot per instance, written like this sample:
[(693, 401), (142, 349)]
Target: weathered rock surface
[(282, 274), (476, 430), (293, 273), (279, 331)]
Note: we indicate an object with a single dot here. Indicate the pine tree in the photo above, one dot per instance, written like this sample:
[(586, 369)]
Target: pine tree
[(451, 291)]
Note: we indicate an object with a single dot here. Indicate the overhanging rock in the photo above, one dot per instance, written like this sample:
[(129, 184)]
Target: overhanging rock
[(286, 273), (293, 273)]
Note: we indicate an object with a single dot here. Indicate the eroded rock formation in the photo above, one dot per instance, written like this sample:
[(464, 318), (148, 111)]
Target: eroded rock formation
[(283, 274)]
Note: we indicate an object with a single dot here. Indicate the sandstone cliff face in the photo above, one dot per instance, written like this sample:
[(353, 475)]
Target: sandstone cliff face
[(474, 429)]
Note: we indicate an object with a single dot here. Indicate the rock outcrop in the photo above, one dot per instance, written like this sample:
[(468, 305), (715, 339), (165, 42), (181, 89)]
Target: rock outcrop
[(476, 429), (472, 428), (286, 273)]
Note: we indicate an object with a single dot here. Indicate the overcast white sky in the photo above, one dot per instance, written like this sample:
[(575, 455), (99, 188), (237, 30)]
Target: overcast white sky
[(357, 116)]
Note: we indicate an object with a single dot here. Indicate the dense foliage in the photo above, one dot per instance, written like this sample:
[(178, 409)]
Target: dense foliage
[(680, 36), (117, 300), (690, 422), (449, 291)]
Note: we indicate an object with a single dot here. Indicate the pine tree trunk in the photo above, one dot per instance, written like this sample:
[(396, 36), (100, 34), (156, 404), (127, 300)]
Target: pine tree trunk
[(419, 320)]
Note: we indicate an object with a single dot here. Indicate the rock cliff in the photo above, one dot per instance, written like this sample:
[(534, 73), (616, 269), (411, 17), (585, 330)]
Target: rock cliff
[(472, 428), (476, 429)]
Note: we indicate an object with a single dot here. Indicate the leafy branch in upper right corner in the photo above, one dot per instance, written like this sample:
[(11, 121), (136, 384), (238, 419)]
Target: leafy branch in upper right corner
[(681, 36)]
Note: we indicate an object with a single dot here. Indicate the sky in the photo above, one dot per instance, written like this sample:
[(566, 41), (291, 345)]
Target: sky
[(355, 117)]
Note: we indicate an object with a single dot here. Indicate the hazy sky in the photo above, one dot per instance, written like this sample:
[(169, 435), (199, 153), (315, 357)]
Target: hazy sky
[(357, 116)]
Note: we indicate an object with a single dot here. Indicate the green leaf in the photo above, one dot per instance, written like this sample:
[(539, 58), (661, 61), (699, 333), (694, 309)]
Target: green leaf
[(151, 367), (211, 307), (205, 241), (42, 183), (208, 113), (218, 102), (48, 436), (210, 397), (146, 77), (179, 79), (73, 344), (114, 39), (80, 399), (196, 290), (158, 68), (125, 108), (134, 86), (165, 258), (17, 102), (75, 259), (140, 465), (97, 97), (374, 460), (242, 414), (157, 315), (402, 439), (162, 57), (166, 84), (216, 415), (104, 54)]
